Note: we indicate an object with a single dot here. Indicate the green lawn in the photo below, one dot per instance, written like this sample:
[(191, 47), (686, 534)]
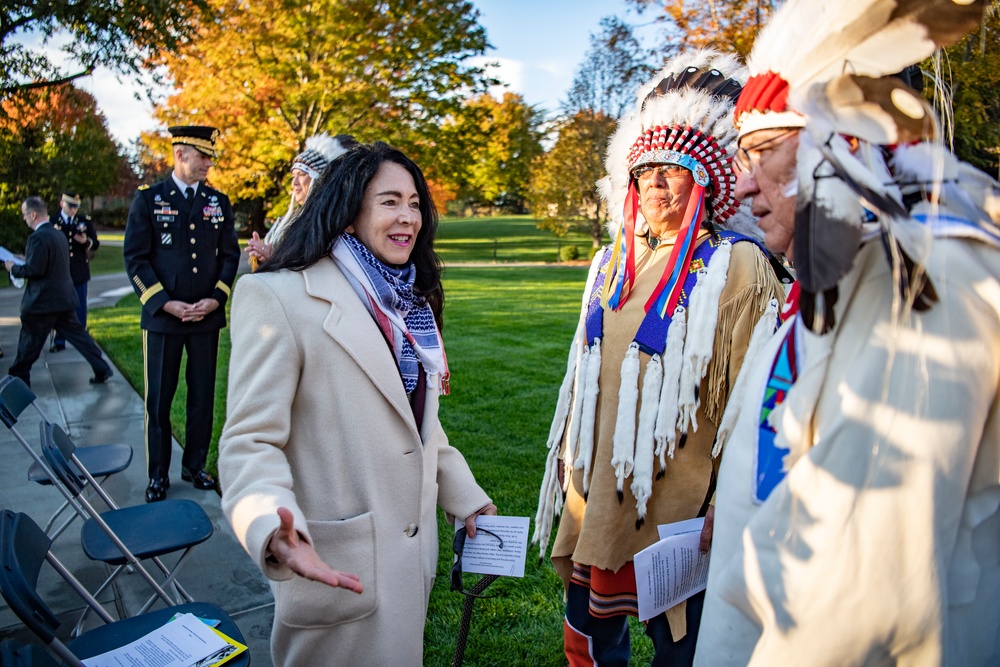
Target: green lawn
[(503, 240), (107, 259), (506, 331)]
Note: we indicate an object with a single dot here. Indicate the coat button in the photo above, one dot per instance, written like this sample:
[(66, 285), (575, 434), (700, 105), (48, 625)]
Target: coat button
[(194, 270), (192, 241), (194, 255), (411, 530), (192, 225)]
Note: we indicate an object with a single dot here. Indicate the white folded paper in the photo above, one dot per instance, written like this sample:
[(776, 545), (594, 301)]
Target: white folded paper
[(484, 554), (8, 256), (672, 570), (183, 642)]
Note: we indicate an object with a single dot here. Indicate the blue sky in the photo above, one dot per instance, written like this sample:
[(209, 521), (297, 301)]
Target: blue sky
[(538, 44)]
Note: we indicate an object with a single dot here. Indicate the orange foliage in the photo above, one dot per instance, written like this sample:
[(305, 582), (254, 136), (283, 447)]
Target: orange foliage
[(727, 25), (442, 194)]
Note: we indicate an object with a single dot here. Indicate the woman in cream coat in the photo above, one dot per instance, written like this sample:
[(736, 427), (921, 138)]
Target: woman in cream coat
[(327, 427)]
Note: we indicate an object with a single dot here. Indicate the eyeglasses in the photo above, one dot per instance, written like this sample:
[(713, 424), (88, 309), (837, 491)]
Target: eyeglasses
[(458, 546), (666, 171), (743, 163), (68, 205)]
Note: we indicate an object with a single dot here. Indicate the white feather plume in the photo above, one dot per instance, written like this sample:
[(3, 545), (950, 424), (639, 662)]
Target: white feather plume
[(868, 37), (327, 146)]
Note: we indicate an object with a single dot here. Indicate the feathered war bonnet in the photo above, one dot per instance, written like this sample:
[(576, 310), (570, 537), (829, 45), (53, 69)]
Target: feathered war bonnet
[(683, 116), (321, 150), (826, 67)]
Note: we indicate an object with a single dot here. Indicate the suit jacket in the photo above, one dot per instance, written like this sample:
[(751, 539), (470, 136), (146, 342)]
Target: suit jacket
[(79, 253), (176, 250), (46, 266), (319, 422)]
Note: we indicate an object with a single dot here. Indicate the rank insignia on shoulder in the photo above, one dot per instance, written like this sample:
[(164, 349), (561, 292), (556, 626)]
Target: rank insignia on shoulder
[(143, 187)]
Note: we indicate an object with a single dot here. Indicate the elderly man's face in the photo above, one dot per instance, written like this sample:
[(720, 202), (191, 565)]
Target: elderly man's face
[(664, 191), (765, 168)]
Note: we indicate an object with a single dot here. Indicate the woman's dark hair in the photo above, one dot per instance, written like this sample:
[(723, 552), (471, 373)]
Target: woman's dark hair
[(334, 204)]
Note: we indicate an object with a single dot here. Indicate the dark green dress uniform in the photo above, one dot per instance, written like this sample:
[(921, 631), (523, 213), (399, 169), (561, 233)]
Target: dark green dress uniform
[(79, 260), (185, 251)]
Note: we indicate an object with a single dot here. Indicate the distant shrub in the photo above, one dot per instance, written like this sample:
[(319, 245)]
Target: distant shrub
[(568, 253), (109, 217), (13, 231)]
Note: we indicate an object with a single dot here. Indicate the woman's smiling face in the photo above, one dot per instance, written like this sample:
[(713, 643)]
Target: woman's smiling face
[(390, 215)]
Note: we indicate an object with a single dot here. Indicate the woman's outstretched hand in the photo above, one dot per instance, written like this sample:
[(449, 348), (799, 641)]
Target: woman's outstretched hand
[(290, 549)]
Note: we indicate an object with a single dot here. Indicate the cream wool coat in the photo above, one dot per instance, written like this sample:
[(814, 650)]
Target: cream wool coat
[(318, 422)]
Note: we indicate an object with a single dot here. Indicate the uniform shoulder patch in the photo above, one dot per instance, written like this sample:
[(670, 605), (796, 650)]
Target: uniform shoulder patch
[(144, 187)]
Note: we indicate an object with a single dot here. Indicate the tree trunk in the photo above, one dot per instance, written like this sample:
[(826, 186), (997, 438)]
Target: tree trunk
[(252, 212)]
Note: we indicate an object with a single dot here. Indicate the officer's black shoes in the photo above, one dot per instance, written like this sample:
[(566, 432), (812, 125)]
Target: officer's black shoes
[(101, 378), (199, 478), (157, 490), (57, 348)]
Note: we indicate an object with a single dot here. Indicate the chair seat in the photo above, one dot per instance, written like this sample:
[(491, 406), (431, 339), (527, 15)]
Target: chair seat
[(108, 637), (147, 530), (13, 654), (100, 460)]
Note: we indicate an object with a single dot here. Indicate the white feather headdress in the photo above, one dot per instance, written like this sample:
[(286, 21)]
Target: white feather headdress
[(828, 79), (321, 150), (678, 110), (813, 41)]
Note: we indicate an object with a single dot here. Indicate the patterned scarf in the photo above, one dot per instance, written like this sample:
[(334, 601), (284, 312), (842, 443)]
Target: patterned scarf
[(404, 318)]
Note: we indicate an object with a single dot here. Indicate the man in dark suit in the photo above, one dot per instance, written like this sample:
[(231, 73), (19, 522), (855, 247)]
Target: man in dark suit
[(81, 237), (181, 255), (49, 301)]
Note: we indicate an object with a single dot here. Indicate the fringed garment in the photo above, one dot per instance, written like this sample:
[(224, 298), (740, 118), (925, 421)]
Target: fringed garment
[(607, 533)]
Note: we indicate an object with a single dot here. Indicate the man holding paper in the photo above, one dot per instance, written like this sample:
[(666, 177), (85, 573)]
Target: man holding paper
[(49, 301), (668, 312)]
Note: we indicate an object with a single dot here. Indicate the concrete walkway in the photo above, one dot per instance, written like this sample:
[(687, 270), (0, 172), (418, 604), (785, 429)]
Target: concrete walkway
[(218, 571)]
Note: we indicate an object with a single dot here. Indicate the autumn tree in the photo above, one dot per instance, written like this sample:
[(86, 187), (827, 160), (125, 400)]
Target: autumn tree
[(497, 141), (51, 139), (727, 25), (271, 73), (117, 34), (613, 68), (970, 72), (564, 192)]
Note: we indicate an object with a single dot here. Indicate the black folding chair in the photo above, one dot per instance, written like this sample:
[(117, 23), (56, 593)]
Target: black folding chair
[(124, 536), (13, 654), (24, 547), (102, 461)]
